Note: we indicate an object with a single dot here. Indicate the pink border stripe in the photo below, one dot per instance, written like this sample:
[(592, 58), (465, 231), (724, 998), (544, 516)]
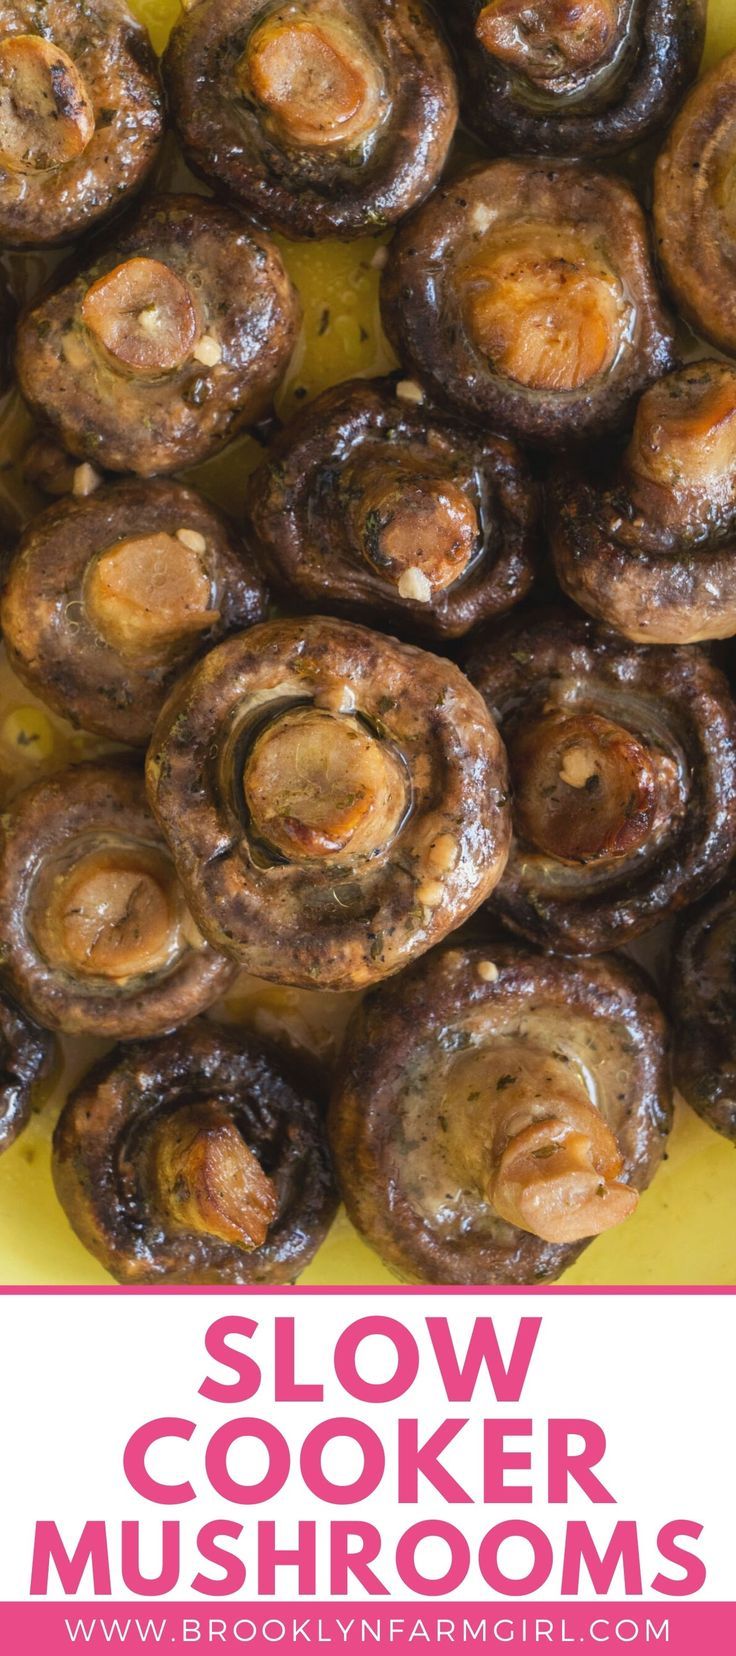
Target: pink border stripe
[(347, 1292), (46, 1629)]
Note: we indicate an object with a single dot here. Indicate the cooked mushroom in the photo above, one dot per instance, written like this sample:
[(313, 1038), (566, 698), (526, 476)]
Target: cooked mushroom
[(373, 506), (96, 937), (648, 542), (195, 1159), (323, 117), (703, 1004), (623, 768), (494, 1111), (81, 116), (694, 206), (26, 1057), (588, 78), (524, 294), (109, 598), (171, 340), (335, 802)]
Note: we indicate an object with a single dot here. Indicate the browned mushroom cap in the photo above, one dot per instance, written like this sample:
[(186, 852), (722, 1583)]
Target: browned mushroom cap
[(648, 542), (81, 115), (694, 211), (525, 295), (371, 505), (585, 78), (26, 1057), (496, 1109), (195, 1159), (335, 801), (703, 1003), (324, 117), (623, 768), (174, 338), (96, 934), (108, 598)]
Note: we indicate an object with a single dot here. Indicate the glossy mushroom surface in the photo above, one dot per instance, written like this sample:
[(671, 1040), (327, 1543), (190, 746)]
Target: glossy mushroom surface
[(703, 1008), (623, 772), (81, 116), (335, 801), (171, 340), (647, 542), (322, 117), (496, 1109), (695, 207), (27, 1054), (524, 294), (96, 935), (195, 1159), (589, 78), (109, 598), (375, 506)]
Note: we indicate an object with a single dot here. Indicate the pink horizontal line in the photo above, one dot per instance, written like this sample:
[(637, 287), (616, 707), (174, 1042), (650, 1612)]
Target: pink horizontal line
[(567, 1291)]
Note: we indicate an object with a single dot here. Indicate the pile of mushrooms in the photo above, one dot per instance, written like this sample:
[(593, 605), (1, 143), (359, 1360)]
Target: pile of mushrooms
[(423, 694)]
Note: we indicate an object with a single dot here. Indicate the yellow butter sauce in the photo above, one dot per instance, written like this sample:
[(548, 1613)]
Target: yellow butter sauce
[(683, 1231)]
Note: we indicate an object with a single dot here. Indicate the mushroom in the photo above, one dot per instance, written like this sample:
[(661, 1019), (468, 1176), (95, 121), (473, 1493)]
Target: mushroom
[(27, 1056), (586, 78), (524, 295), (81, 116), (623, 770), (694, 206), (647, 541), (496, 1109), (96, 935), (172, 339), (110, 596), (373, 506), (322, 117), (335, 801), (195, 1159), (703, 1006)]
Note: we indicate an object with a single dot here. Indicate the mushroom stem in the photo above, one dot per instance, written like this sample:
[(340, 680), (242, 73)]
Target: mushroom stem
[(206, 1179), (550, 42), (150, 593), (560, 1181), (524, 1128), (114, 914), (314, 77), (142, 315), (320, 784), (681, 461), (46, 115), (543, 306), (411, 522)]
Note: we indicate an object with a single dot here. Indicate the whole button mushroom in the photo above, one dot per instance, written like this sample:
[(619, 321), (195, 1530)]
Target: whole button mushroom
[(623, 770), (27, 1055), (335, 801), (195, 1159), (703, 1005), (96, 935), (108, 598), (524, 294), (172, 339), (373, 505), (81, 116), (323, 117), (647, 541), (693, 206), (496, 1109), (590, 78)]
